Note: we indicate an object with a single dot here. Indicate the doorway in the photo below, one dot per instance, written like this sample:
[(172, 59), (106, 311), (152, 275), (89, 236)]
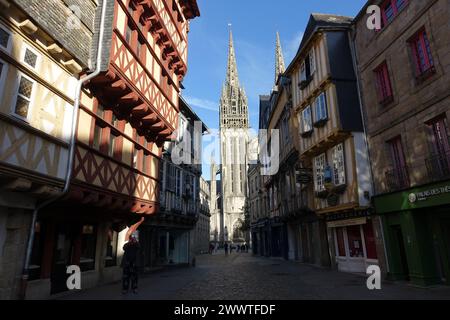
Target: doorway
[(398, 238), (64, 251)]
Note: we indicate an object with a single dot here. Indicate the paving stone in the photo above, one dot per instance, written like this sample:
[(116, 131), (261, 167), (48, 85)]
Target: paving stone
[(245, 277)]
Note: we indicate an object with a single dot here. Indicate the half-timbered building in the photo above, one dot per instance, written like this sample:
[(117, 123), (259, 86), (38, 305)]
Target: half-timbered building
[(126, 115), (332, 144), (37, 80)]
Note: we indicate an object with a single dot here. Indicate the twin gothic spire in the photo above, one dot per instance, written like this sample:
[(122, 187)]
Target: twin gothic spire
[(233, 102)]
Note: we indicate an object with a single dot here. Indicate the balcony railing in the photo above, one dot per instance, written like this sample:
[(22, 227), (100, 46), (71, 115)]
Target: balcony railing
[(438, 166), (398, 179)]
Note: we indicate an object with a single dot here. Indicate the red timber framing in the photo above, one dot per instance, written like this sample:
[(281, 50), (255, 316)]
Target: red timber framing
[(140, 87), (145, 99)]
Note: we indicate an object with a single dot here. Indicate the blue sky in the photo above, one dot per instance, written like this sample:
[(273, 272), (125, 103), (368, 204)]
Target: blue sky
[(254, 24)]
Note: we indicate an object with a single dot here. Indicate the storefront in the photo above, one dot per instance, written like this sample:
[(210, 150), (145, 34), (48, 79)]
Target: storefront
[(416, 225), (94, 245), (352, 241)]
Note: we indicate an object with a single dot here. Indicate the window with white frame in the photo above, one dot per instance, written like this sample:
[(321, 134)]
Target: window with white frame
[(5, 38), (321, 112), (24, 94), (307, 120), (30, 57), (319, 168), (339, 165), (308, 67)]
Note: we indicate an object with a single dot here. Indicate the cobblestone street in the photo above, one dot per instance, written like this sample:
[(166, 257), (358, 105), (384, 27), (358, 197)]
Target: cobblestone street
[(244, 277)]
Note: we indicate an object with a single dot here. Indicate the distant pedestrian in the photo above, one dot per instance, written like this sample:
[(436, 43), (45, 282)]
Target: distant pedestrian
[(226, 248), (211, 248)]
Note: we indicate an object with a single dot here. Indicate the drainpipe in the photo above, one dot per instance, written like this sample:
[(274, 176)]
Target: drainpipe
[(69, 171), (358, 86)]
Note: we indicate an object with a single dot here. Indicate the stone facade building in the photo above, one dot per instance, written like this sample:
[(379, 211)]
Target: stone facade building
[(404, 72)]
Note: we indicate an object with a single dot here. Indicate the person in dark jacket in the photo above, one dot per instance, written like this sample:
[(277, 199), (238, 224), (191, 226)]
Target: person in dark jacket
[(129, 261)]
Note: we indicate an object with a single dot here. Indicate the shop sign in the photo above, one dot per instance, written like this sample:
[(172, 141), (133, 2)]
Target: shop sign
[(346, 223), (425, 195)]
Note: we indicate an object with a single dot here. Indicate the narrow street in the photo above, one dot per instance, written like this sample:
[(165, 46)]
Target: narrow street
[(245, 277)]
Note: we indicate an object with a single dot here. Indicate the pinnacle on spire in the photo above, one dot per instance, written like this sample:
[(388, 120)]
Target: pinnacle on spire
[(279, 59), (232, 74)]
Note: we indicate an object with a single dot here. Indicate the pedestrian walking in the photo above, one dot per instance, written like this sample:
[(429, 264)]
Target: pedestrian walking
[(129, 261), (226, 248)]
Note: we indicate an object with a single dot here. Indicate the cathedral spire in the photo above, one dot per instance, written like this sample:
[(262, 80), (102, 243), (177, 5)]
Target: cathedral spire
[(232, 74), (279, 59)]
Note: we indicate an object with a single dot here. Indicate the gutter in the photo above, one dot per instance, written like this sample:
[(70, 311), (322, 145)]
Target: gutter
[(69, 171)]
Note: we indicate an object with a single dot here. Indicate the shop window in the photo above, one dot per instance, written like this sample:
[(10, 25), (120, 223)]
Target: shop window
[(340, 242), (88, 246), (369, 239), (111, 248), (355, 242)]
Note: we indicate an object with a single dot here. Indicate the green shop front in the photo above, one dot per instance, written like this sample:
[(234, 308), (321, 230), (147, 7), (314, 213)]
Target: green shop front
[(416, 227)]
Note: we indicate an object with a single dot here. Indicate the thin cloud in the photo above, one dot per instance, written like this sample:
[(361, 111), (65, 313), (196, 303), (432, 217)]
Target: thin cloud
[(291, 47), (204, 104)]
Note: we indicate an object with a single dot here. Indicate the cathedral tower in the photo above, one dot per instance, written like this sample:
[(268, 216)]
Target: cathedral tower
[(233, 141)]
